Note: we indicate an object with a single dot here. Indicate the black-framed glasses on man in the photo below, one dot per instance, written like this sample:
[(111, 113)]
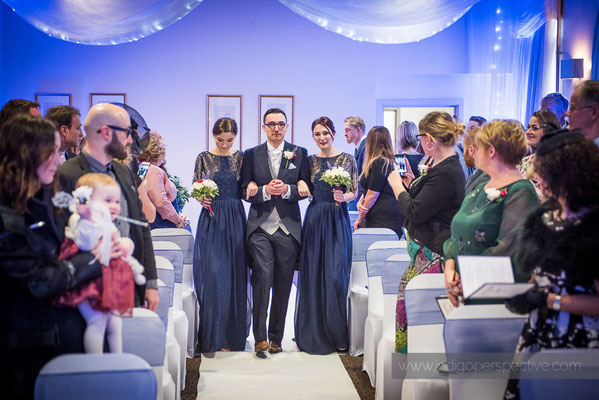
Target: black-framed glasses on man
[(128, 131), (273, 125)]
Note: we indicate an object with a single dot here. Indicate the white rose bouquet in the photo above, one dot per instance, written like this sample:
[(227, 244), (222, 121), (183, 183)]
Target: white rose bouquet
[(336, 177), (204, 189)]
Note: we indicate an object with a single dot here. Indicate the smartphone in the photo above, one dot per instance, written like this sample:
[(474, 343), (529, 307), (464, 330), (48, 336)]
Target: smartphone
[(400, 161)]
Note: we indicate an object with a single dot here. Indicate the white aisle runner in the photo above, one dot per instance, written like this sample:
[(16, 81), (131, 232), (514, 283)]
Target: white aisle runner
[(288, 375)]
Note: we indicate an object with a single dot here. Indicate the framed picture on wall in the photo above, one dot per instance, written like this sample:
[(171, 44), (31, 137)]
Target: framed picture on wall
[(285, 103), (49, 100), (220, 106), (95, 98)]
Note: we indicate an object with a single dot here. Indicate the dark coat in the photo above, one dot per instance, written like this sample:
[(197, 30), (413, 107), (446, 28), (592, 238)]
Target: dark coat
[(33, 330), (255, 168), (74, 168)]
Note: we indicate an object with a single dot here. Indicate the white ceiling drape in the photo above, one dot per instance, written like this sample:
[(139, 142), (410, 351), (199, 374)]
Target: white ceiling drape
[(382, 21), (101, 22)]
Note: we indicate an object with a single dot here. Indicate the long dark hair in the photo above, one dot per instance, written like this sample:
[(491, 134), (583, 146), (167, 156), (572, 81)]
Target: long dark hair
[(25, 143), (378, 145)]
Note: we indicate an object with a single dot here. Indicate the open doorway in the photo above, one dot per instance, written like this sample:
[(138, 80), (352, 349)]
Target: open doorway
[(391, 113)]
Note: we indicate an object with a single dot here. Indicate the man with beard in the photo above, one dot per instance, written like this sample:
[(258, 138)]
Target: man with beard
[(108, 132)]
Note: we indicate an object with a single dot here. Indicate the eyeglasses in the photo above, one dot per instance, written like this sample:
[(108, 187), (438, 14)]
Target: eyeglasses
[(572, 108), (129, 131), (273, 125)]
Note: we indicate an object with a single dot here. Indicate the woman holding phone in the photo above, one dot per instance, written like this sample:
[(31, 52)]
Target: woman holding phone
[(429, 204)]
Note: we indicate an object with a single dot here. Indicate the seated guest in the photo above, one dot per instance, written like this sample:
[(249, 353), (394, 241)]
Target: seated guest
[(478, 176), (557, 104), (584, 110), (558, 245), (157, 192), (378, 205), (18, 106), (541, 122), (34, 330), (489, 219), (407, 142), (67, 120), (429, 204)]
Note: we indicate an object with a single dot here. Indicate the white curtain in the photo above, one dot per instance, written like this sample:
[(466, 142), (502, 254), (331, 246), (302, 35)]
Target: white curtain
[(499, 47), (101, 22), (382, 21)]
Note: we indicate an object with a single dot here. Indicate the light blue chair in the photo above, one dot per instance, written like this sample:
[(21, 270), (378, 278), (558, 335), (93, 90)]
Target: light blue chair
[(144, 335), (376, 256), (393, 270), (425, 332), (488, 328), (174, 254), (96, 377), (357, 302)]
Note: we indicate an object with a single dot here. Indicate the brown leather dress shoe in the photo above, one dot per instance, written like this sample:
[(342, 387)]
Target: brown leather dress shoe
[(275, 348), (261, 347)]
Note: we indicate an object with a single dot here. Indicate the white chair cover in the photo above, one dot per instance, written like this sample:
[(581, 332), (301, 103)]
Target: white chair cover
[(358, 293), (96, 376), (393, 270), (376, 256)]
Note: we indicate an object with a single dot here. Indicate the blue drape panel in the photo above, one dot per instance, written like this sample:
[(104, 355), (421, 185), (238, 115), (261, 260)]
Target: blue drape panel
[(535, 73)]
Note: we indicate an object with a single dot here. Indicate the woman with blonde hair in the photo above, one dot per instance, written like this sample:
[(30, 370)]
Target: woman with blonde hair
[(489, 218), (156, 191), (428, 204), (377, 207)]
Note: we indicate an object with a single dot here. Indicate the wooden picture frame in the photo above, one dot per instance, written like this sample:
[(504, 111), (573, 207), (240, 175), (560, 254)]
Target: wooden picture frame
[(285, 103), (220, 106), (95, 98), (49, 100)]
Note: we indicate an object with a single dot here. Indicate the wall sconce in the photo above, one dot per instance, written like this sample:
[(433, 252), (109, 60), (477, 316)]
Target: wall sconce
[(573, 68)]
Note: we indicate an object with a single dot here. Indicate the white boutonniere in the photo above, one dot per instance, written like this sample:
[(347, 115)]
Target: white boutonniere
[(423, 168), (494, 194), (289, 155)]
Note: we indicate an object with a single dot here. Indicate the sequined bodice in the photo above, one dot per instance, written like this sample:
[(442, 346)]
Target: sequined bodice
[(322, 191), (225, 171)]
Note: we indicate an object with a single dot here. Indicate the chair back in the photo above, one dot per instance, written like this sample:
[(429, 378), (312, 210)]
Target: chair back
[(393, 270), (376, 255), (181, 237), (96, 376), (172, 252), (361, 241)]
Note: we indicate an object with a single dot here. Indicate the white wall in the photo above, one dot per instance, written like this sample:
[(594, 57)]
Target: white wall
[(234, 47)]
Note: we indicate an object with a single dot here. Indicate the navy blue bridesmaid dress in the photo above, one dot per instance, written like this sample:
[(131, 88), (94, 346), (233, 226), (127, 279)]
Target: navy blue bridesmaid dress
[(325, 263), (219, 266)]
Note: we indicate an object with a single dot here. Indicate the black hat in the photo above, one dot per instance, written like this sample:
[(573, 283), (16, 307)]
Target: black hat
[(552, 140)]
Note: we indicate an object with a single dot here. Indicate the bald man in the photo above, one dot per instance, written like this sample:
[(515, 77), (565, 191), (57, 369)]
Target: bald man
[(108, 133)]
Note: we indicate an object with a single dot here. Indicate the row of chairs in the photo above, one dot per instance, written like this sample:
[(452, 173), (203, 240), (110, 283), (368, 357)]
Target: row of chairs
[(155, 344), (379, 261)]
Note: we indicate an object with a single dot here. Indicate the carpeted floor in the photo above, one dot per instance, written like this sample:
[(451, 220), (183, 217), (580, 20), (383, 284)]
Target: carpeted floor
[(353, 365)]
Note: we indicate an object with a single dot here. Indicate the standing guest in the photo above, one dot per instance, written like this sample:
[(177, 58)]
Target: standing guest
[(274, 230), (428, 205), (378, 206), (108, 136), (325, 260), (540, 123), (475, 121), (557, 104), (490, 217), (558, 245), (407, 143), (354, 128), (34, 330), (478, 176), (19, 106), (156, 191), (68, 122), (219, 265), (584, 110)]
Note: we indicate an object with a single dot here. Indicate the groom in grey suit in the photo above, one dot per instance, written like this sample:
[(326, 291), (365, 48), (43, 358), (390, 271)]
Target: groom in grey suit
[(274, 228)]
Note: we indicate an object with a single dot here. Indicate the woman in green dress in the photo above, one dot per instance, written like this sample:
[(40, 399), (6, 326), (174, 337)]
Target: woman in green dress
[(490, 216)]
